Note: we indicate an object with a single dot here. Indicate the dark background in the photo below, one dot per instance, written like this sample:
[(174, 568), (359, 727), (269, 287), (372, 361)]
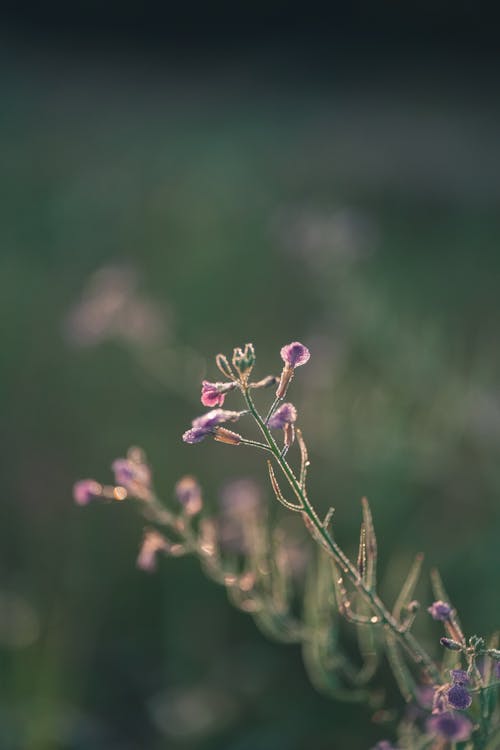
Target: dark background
[(231, 175)]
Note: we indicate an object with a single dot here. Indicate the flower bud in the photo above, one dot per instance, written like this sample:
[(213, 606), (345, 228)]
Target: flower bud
[(227, 436), (85, 490), (450, 644), (243, 361)]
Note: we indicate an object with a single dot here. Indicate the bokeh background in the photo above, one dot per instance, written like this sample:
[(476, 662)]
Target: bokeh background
[(176, 182)]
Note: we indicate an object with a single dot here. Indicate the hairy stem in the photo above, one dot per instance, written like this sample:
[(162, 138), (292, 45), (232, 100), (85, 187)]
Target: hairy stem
[(382, 614)]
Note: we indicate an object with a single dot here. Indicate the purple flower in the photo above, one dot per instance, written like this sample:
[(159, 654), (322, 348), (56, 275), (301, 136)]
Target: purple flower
[(85, 490), (295, 354), (133, 474), (459, 676), (188, 493), (285, 414), (215, 417), (450, 726), (195, 435), (211, 395), (458, 697), (384, 745), (440, 610), (152, 543), (206, 424)]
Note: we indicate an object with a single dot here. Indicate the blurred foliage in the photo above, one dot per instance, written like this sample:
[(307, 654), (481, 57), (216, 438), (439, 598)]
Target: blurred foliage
[(361, 219)]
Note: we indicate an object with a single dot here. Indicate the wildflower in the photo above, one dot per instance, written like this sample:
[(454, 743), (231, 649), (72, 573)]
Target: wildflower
[(195, 435), (384, 745), (451, 726), (213, 394), (152, 543), (285, 414), (293, 355), (440, 610), (459, 676), (128, 473), (207, 424), (133, 473), (215, 417), (85, 490), (458, 696), (188, 493), (283, 418)]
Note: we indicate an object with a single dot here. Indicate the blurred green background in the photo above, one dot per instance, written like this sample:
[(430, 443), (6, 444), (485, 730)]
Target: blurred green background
[(157, 211)]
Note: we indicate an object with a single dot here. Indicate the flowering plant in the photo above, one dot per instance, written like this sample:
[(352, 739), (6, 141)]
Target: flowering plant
[(451, 700)]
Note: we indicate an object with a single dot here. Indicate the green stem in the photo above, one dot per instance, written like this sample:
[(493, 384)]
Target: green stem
[(407, 640)]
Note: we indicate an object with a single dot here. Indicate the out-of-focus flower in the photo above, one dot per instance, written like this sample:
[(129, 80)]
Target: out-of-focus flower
[(384, 745), (326, 238), (241, 505), (295, 354), (188, 493), (459, 677), (440, 610), (133, 473), (193, 713), (213, 394), (458, 697), (285, 414), (111, 307), (86, 490), (152, 543), (451, 726)]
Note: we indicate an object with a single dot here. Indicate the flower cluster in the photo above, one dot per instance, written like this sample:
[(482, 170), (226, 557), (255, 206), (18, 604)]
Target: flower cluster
[(239, 550)]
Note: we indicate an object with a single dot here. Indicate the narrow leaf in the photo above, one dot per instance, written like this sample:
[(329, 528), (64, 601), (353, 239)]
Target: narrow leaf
[(370, 544), (406, 593)]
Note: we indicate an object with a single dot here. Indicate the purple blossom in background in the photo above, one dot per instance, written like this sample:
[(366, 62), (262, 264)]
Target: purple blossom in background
[(128, 473), (459, 676), (450, 726), (211, 395), (85, 490), (152, 543), (440, 610), (295, 354), (384, 745), (458, 697), (285, 414), (188, 493)]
